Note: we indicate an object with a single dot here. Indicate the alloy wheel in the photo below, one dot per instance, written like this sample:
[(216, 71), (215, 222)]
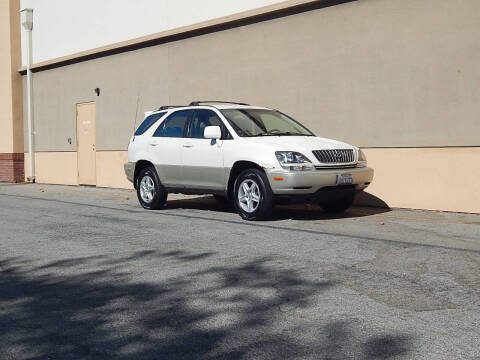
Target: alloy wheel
[(147, 189), (249, 195)]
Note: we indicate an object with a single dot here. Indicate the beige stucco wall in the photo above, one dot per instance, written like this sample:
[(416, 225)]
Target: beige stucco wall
[(55, 167), (11, 124), (353, 72), (421, 178), (110, 171), (427, 178), (61, 168)]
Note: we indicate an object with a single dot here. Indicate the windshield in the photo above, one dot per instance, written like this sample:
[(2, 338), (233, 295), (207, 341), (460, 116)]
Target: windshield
[(262, 122)]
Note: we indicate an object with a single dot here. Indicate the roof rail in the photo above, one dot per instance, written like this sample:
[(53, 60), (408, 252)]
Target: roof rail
[(166, 107), (196, 103)]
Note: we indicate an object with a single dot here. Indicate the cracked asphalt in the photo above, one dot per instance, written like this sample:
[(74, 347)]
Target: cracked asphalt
[(85, 273)]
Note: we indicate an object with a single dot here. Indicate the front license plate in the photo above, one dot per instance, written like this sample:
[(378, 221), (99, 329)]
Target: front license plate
[(344, 179)]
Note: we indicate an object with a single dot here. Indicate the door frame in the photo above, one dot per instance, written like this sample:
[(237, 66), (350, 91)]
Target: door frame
[(95, 141)]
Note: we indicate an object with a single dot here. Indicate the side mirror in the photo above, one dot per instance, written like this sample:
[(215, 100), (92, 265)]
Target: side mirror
[(212, 132)]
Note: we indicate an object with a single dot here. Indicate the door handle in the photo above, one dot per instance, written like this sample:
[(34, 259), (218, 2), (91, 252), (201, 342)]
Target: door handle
[(187, 145), (154, 143)]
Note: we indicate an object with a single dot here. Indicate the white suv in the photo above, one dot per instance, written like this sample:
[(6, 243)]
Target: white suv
[(251, 155)]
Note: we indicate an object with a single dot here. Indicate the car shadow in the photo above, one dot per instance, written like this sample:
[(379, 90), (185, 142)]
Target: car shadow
[(284, 211)]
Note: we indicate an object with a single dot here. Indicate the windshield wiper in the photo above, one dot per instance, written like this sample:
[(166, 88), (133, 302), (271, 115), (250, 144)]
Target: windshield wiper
[(288, 133), (285, 133), (276, 134)]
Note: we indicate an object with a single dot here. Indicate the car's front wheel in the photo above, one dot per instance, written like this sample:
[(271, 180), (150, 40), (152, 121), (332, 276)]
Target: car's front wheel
[(253, 196), (150, 192)]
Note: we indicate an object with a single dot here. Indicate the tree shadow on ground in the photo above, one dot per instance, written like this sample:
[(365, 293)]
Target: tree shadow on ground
[(302, 211), (90, 308)]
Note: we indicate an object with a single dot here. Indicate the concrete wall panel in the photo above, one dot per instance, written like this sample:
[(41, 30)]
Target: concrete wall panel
[(55, 168), (110, 171), (377, 73), (131, 84), (123, 80), (429, 178)]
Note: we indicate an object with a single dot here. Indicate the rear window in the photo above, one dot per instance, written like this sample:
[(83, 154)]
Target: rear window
[(148, 122)]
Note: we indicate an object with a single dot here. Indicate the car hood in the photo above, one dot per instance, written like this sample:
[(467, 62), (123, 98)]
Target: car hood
[(299, 143)]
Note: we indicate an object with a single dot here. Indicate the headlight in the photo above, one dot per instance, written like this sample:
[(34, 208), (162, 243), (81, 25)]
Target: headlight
[(362, 160), (294, 161)]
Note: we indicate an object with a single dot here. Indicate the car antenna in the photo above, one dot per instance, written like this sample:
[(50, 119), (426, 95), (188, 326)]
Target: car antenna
[(136, 113)]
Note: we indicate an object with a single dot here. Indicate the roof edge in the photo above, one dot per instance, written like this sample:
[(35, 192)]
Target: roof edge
[(184, 31)]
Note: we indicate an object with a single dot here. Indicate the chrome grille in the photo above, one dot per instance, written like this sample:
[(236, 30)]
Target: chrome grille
[(341, 156)]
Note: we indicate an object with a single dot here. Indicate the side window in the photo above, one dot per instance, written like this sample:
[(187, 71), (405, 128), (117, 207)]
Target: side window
[(200, 120), (148, 122), (174, 125)]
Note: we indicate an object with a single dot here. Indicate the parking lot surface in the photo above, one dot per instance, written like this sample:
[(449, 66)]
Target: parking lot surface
[(85, 273)]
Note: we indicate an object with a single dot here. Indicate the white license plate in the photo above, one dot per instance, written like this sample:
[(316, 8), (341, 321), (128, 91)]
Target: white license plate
[(344, 179)]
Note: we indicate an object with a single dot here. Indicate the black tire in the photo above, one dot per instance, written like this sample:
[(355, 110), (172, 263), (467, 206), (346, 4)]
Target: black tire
[(265, 202), (339, 204), (159, 193)]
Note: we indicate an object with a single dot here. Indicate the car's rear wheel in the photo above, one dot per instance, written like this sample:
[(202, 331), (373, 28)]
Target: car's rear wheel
[(338, 204), (252, 195), (150, 192)]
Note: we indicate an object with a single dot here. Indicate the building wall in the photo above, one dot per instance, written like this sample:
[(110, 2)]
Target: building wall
[(372, 83), (11, 121), (398, 77)]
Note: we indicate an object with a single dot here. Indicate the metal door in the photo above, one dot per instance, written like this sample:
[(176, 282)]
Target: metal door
[(86, 143)]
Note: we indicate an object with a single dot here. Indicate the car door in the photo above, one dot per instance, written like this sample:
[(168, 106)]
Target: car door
[(166, 148), (203, 158)]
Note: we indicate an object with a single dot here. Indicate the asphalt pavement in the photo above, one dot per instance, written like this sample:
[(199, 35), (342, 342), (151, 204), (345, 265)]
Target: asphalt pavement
[(85, 273)]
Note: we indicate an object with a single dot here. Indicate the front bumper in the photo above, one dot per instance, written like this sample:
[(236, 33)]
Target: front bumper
[(309, 182), (129, 170)]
